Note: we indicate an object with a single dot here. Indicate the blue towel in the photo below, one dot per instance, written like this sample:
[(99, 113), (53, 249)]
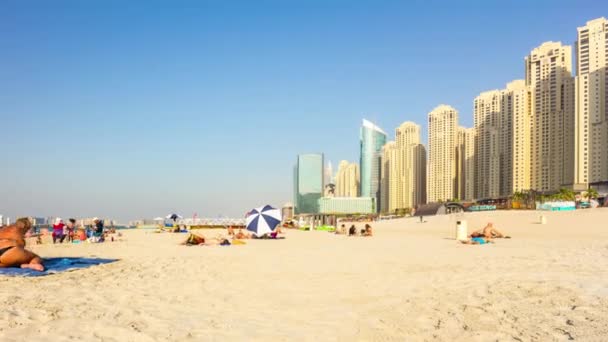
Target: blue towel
[(55, 265)]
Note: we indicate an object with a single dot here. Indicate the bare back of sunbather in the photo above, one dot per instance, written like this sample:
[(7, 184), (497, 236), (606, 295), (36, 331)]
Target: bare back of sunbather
[(488, 232)]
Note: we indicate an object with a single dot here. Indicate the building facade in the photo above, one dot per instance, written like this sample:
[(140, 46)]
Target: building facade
[(441, 167), (372, 138), (347, 179), (308, 183), (549, 77), (591, 164)]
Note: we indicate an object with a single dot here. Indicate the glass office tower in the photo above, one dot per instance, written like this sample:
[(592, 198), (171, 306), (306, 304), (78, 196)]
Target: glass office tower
[(372, 139), (308, 183)]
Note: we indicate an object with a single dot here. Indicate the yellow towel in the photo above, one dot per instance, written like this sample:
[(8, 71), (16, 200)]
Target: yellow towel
[(238, 242)]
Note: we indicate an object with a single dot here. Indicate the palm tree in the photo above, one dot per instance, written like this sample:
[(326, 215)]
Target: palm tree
[(592, 194), (566, 195)]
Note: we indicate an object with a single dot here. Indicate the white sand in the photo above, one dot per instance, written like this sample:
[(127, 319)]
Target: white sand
[(410, 282)]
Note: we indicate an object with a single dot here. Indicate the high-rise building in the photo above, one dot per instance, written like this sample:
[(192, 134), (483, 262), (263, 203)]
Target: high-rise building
[(549, 76), (328, 173), (466, 163), (411, 166), (308, 183), (372, 139), (591, 164), (443, 140), (518, 95), (502, 144), (390, 177), (488, 112), (347, 179)]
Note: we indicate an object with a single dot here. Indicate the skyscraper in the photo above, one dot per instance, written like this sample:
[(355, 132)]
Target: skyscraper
[(390, 177), (466, 163), (308, 183), (443, 140), (488, 112), (347, 179), (372, 138), (502, 144), (549, 76), (591, 164), (521, 117), (411, 166), (328, 173)]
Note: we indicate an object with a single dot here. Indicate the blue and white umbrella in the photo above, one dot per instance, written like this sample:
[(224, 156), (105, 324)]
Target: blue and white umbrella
[(263, 220)]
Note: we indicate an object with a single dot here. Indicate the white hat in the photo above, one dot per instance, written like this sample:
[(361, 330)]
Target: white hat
[(58, 220)]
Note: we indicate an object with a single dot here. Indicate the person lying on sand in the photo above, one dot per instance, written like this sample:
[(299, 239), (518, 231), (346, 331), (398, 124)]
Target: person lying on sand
[(488, 232), (200, 240), (477, 241), (241, 235), (12, 247)]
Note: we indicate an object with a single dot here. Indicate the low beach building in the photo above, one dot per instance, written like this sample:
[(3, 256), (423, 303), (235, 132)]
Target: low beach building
[(347, 205)]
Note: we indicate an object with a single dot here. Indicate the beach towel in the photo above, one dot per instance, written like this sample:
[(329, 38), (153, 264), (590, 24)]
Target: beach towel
[(55, 265)]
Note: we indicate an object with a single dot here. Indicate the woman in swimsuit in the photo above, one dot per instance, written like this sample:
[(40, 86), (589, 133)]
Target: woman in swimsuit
[(12, 247)]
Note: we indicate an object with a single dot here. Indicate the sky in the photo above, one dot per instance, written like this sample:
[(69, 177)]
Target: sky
[(142, 108)]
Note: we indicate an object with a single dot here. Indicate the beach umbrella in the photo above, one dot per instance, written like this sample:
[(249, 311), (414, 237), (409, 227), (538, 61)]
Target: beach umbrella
[(174, 217), (263, 220)]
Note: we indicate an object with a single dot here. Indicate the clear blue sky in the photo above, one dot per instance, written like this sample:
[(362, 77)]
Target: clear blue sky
[(133, 109)]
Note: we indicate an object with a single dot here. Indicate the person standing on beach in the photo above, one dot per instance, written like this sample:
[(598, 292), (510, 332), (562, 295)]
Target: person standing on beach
[(98, 230), (70, 228), (58, 231)]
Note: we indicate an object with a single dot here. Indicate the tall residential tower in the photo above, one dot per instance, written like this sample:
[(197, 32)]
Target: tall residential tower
[(549, 76), (591, 109), (347, 179), (442, 183)]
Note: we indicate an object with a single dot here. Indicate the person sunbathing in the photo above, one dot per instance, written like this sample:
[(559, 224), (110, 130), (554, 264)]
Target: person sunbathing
[(194, 240), (241, 235), (488, 232), (477, 241), (12, 247)]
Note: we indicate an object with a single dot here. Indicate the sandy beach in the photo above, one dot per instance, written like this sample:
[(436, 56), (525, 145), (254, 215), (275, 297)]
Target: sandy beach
[(411, 281)]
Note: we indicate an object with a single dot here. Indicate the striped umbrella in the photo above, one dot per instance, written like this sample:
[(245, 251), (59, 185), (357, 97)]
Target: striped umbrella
[(263, 220)]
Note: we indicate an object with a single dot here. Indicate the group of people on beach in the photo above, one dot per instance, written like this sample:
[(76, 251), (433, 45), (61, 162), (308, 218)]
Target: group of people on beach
[(352, 231), (13, 240), (68, 232), (236, 236)]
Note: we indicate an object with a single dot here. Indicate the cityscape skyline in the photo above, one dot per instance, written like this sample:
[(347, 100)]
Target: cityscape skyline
[(142, 103), (540, 134)]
